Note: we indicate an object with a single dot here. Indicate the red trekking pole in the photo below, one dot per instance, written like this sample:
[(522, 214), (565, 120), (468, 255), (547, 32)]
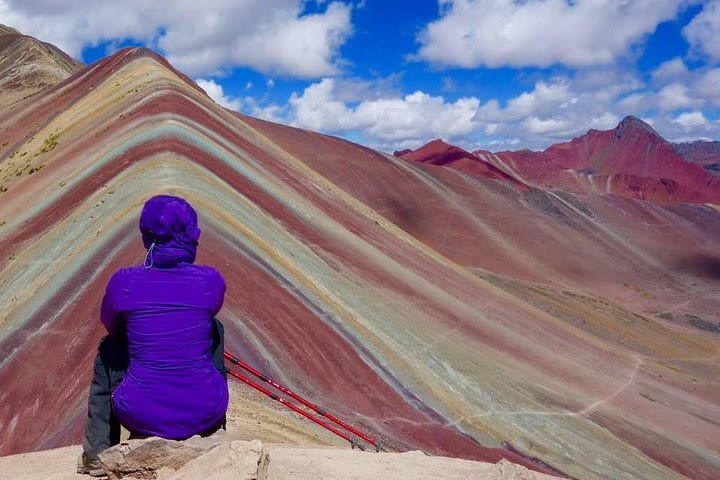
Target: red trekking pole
[(294, 407), (315, 408)]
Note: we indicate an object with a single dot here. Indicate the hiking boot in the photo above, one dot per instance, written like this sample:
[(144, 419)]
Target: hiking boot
[(90, 466)]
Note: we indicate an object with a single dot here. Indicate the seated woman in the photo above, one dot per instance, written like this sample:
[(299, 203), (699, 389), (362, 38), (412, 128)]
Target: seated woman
[(164, 310)]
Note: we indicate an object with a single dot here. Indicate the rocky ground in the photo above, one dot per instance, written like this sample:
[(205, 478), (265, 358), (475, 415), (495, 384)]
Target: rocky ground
[(221, 457)]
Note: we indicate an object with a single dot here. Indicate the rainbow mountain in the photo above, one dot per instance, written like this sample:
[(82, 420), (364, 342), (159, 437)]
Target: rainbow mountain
[(575, 333)]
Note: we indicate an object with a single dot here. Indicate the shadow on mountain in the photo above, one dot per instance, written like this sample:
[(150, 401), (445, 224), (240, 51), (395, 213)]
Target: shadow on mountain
[(702, 265)]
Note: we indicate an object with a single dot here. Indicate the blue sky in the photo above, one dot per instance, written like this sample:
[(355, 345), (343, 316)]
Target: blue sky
[(495, 74)]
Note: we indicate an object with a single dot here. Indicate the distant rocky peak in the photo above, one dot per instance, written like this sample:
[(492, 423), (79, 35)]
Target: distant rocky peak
[(437, 144), (709, 146), (28, 66), (702, 152), (632, 127), (432, 147)]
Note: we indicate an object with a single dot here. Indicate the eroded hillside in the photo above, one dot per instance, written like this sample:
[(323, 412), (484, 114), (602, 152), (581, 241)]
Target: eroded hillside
[(463, 316)]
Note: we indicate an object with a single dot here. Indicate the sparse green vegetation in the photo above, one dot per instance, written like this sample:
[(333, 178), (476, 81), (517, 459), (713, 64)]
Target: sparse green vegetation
[(49, 143), (36, 169), (103, 131), (19, 172)]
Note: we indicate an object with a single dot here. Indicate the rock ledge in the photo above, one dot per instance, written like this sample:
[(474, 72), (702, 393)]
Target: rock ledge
[(224, 458)]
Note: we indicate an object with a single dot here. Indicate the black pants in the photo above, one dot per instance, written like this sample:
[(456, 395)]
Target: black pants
[(103, 427)]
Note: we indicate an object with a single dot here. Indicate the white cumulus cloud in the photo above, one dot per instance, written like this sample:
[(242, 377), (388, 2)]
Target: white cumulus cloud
[(691, 119), (671, 70), (581, 33), (552, 110), (398, 119), (199, 38), (546, 98), (558, 108), (703, 32), (707, 86), (674, 96), (548, 125), (215, 91), (677, 87)]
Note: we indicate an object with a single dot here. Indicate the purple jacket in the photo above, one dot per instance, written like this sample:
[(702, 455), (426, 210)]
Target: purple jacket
[(171, 388)]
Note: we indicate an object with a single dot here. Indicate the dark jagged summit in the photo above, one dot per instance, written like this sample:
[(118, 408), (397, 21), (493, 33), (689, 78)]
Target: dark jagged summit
[(631, 160), (632, 128)]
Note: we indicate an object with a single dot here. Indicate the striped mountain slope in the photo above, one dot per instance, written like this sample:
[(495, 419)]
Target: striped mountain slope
[(458, 315)]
